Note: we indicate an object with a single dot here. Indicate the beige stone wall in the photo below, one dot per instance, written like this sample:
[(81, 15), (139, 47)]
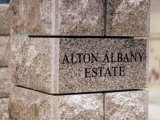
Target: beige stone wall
[(5, 53), (154, 63), (5, 76), (27, 104), (4, 112), (4, 19)]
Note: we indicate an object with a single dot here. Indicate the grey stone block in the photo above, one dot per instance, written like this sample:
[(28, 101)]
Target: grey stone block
[(80, 17), (128, 17), (4, 19), (131, 105), (5, 82), (57, 17), (5, 50), (73, 65), (31, 105), (4, 113)]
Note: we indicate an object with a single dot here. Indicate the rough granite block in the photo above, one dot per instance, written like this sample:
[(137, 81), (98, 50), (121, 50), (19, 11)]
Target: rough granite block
[(57, 17), (80, 17), (4, 19), (31, 105), (128, 17), (4, 109), (5, 82), (73, 65), (5, 50), (132, 105)]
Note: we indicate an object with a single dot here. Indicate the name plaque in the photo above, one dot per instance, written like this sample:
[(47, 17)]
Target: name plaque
[(73, 65)]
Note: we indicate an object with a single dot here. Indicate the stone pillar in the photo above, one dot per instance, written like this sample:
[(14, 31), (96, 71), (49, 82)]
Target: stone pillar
[(79, 60)]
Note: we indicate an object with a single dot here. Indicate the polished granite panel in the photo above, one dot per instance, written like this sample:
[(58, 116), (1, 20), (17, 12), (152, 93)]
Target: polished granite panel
[(73, 65)]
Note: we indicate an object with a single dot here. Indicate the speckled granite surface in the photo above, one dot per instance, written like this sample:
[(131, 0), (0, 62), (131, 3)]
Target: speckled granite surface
[(128, 17), (4, 19), (57, 17), (5, 82), (5, 50), (31, 105), (55, 66), (80, 17), (31, 63), (4, 109), (131, 105)]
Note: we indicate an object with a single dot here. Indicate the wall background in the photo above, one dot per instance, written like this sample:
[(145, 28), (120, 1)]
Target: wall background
[(154, 62), (4, 1)]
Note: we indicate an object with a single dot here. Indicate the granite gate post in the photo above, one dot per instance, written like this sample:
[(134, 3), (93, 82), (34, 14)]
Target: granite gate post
[(79, 60)]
